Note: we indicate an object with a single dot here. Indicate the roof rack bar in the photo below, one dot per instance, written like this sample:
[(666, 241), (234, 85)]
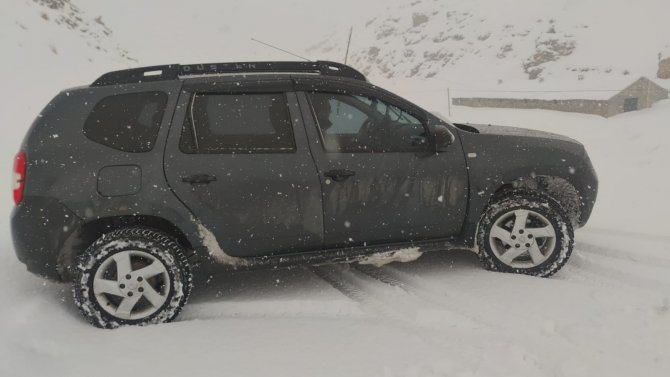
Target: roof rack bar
[(137, 75), (174, 71)]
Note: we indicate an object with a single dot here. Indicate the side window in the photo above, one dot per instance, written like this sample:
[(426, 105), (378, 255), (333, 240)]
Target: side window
[(127, 122), (350, 123), (343, 118), (237, 123)]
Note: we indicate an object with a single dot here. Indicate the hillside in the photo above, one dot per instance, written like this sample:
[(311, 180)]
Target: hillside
[(472, 47), (41, 33), (520, 45)]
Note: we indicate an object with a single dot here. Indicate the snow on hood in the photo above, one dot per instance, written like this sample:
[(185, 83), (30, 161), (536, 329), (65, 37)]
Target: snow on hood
[(516, 131)]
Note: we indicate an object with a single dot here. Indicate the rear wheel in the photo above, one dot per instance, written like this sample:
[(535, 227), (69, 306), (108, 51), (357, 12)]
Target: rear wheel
[(525, 232), (132, 276)]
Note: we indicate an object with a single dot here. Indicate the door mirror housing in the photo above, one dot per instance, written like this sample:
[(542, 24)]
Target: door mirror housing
[(419, 140), (443, 137)]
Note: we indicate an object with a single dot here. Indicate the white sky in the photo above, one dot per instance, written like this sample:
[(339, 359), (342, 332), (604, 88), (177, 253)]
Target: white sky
[(222, 31)]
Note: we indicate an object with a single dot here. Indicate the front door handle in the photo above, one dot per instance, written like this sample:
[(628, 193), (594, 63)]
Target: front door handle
[(339, 175), (196, 179)]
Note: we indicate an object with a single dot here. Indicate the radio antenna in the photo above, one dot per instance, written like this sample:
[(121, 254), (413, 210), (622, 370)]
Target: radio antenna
[(346, 55), (280, 49)]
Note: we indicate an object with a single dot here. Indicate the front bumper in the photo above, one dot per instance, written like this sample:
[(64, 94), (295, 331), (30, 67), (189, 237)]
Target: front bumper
[(40, 228)]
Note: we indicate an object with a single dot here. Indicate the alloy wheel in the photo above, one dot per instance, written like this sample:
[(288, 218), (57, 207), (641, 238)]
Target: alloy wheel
[(522, 238), (131, 284)]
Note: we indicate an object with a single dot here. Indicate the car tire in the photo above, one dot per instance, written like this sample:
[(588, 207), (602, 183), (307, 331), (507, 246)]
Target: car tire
[(525, 232), (132, 276)]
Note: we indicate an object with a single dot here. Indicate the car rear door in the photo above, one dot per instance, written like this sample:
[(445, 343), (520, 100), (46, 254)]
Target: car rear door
[(237, 156), (382, 180)]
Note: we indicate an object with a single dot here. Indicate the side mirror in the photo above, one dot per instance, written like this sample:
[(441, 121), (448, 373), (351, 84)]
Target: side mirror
[(443, 137), (418, 140)]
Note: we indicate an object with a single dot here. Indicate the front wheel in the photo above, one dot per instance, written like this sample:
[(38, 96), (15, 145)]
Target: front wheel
[(525, 232), (132, 276)]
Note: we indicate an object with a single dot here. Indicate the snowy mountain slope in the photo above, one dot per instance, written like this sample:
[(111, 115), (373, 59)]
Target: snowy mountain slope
[(47, 36), (66, 15), (521, 44)]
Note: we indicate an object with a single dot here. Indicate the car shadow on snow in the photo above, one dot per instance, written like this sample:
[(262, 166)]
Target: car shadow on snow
[(442, 262), (301, 283), (256, 284)]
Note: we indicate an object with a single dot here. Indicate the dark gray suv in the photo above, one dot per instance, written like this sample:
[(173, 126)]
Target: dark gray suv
[(149, 179)]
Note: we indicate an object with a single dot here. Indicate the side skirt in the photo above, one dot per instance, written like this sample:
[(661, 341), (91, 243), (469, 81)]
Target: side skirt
[(341, 255)]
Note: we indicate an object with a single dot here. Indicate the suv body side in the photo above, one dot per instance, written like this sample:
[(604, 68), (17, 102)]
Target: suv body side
[(284, 204), (77, 189)]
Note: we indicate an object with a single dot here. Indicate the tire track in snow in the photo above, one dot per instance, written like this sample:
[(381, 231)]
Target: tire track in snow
[(394, 278), (468, 305), (456, 302), (338, 279), (384, 295), (591, 270), (626, 256), (430, 324), (378, 274), (574, 272)]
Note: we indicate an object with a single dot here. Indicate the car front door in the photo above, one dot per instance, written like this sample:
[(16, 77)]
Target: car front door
[(381, 178), (237, 156)]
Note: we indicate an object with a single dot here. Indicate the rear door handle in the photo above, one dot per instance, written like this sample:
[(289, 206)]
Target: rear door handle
[(196, 179), (339, 175)]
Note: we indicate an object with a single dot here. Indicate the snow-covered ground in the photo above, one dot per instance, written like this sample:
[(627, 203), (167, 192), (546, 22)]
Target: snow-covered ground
[(607, 313)]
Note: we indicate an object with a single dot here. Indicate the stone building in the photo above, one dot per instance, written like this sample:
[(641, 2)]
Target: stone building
[(663, 69), (639, 95)]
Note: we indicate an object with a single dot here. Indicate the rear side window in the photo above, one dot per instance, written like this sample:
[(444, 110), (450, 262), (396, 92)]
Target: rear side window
[(127, 122), (237, 123)]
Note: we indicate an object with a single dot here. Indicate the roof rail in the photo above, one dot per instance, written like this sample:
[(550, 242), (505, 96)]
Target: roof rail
[(174, 71)]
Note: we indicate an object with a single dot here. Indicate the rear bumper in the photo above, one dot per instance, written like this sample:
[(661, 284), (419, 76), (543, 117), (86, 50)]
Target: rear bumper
[(40, 228)]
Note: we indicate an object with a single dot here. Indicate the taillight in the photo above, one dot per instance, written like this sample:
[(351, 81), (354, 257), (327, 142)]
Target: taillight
[(19, 178)]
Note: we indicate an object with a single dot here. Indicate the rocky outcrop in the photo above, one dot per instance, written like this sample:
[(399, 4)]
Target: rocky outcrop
[(547, 51), (93, 31)]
